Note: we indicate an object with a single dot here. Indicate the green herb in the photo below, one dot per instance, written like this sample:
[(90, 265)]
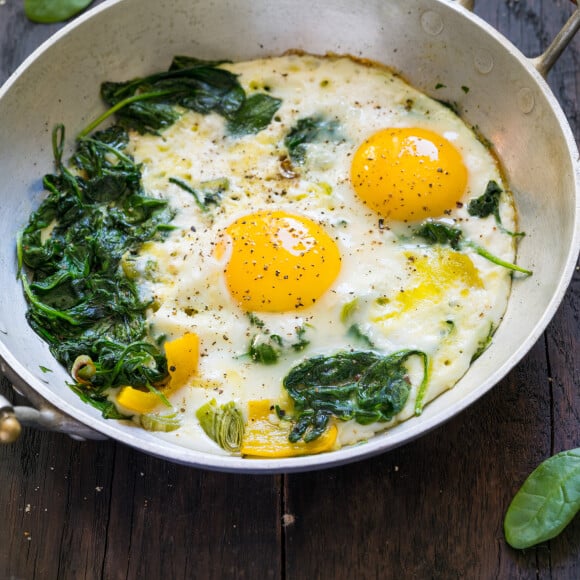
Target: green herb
[(147, 104), (310, 130), (49, 11), (488, 204), (363, 386), (80, 302), (265, 348), (255, 321), (442, 234), (208, 193), (546, 502), (348, 310), (301, 342), (355, 332), (255, 114), (484, 344), (99, 401), (224, 424)]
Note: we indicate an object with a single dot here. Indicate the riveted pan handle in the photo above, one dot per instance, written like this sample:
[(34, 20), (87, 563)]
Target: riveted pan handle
[(46, 417), (9, 425)]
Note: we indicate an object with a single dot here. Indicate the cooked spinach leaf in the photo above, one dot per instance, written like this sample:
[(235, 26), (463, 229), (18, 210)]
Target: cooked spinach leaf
[(49, 11), (255, 114), (265, 348), (488, 204), (546, 502), (208, 193), (147, 104), (310, 130), (364, 386), (80, 302), (443, 234)]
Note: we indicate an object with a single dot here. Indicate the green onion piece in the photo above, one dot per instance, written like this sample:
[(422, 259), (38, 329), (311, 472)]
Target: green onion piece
[(223, 424), (158, 422)]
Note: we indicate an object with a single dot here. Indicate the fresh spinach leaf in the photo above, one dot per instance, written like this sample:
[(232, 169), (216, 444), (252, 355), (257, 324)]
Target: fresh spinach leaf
[(546, 502), (363, 386), (49, 11)]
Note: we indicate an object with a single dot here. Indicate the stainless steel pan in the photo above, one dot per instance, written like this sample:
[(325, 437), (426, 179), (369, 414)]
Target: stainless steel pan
[(430, 42)]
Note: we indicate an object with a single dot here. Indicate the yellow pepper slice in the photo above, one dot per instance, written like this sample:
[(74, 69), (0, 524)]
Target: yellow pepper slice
[(136, 400), (182, 359), (264, 437)]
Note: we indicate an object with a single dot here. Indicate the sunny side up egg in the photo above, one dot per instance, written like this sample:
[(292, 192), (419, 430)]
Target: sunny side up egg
[(299, 242)]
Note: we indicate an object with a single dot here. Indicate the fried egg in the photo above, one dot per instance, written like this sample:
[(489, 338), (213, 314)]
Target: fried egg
[(315, 254)]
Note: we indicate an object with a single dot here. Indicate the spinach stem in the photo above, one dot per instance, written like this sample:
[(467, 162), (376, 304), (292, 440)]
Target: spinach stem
[(133, 99), (43, 307), (488, 256), (421, 392)]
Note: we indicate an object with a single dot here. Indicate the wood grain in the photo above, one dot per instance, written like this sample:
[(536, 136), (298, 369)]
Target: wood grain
[(431, 509)]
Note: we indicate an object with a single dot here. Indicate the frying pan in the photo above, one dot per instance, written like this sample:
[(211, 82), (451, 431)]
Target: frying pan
[(430, 42)]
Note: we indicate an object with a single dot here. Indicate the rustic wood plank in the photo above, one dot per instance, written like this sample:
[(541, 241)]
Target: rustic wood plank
[(170, 521)]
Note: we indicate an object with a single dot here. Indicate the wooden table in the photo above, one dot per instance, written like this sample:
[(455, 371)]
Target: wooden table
[(431, 509)]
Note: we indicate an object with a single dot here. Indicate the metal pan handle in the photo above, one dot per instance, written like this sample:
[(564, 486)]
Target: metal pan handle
[(46, 417), (545, 61)]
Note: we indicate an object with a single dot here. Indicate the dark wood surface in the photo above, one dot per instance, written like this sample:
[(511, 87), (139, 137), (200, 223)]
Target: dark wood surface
[(431, 509)]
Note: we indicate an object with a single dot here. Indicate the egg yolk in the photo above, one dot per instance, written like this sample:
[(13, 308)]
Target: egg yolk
[(408, 174), (279, 262)]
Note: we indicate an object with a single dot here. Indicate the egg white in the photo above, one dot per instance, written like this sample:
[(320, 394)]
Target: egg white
[(185, 278)]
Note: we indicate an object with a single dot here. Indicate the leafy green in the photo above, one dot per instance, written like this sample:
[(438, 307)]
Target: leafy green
[(354, 331), (546, 502), (265, 348), (488, 204), (364, 386), (224, 424), (255, 114), (442, 234), (310, 130), (49, 11), (208, 193), (80, 302), (147, 104), (484, 344), (100, 401)]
